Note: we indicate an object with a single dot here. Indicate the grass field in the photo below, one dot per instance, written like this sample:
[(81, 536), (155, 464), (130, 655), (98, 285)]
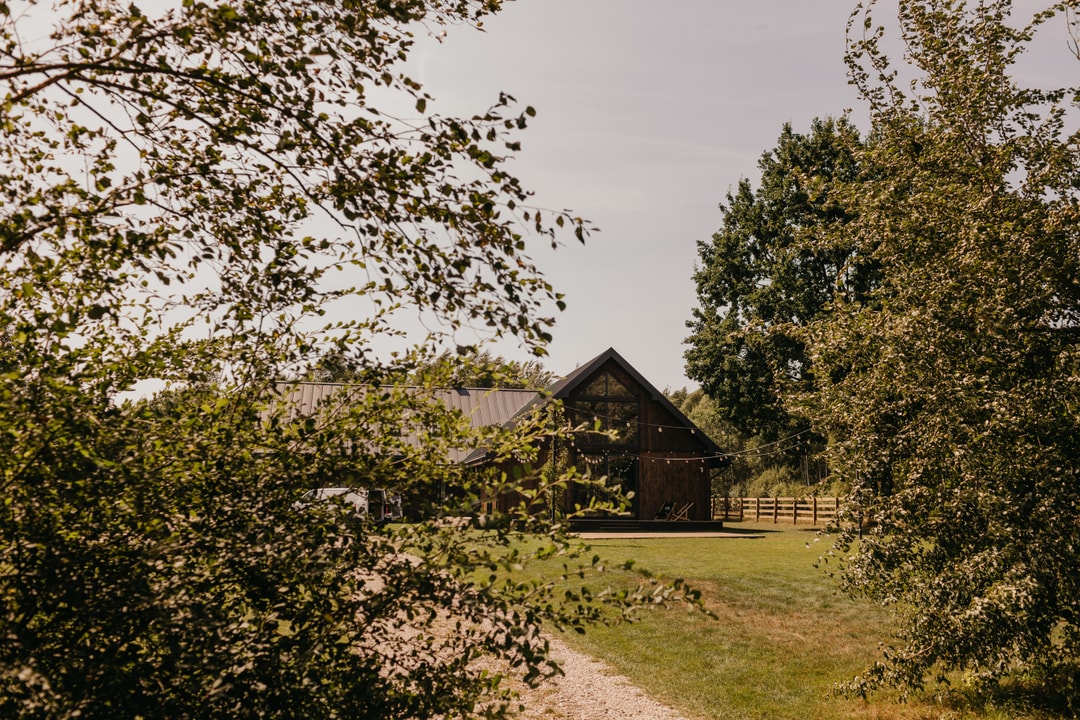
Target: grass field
[(782, 638)]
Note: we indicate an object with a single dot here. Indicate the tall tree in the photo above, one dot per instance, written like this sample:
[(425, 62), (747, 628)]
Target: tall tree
[(768, 272), (951, 391), (467, 367), (179, 188), (483, 369)]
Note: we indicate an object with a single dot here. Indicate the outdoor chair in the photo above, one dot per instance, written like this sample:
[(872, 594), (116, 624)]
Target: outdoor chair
[(683, 513), (665, 512)]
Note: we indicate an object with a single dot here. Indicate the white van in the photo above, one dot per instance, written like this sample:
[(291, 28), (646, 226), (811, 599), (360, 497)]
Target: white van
[(380, 504), (384, 505)]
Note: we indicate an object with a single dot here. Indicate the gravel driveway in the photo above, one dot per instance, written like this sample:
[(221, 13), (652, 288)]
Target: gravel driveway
[(590, 690)]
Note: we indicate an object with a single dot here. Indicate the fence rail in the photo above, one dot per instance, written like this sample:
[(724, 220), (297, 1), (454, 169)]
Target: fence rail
[(811, 510)]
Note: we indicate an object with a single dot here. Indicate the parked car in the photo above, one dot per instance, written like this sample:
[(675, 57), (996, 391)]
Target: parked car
[(378, 504)]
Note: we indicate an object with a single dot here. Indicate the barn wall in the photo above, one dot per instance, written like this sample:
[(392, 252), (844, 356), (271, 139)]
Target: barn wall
[(671, 477), (661, 432), (668, 466), (494, 498), (670, 470)]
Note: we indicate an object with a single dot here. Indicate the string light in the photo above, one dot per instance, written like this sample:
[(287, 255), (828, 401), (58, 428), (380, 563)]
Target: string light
[(761, 451), (693, 431), (615, 420), (750, 453)]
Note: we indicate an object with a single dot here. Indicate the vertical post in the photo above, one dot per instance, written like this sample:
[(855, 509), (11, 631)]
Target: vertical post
[(795, 511), (757, 512), (775, 510)]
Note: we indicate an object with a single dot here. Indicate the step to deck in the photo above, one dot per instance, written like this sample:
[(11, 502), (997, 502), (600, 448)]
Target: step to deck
[(617, 525)]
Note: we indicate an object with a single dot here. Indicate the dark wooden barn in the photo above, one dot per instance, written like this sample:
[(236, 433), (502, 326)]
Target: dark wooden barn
[(656, 451), (636, 439), (644, 444)]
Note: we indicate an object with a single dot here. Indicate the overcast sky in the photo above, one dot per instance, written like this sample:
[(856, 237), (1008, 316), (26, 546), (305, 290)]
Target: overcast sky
[(647, 114)]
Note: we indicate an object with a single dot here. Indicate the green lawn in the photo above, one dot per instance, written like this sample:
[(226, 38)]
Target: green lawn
[(782, 638)]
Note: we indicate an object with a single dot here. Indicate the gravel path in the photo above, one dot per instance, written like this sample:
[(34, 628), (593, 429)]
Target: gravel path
[(590, 690)]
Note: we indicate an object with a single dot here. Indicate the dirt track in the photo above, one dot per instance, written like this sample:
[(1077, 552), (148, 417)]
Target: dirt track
[(590, 690)]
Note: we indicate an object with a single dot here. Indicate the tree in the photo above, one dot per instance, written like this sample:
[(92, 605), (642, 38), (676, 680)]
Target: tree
[(184, 193), (765, 274), (701, 410), (950, 390), (467, 367), (482, 369)]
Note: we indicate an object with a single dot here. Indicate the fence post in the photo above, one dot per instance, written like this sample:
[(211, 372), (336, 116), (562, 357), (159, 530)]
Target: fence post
[(743, 507)]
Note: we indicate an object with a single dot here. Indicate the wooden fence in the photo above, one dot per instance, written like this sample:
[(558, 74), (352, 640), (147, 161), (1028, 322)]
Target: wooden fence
[(811, 510)]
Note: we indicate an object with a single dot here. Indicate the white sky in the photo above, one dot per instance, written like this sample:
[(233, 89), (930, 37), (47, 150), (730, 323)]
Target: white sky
[(648, 113)]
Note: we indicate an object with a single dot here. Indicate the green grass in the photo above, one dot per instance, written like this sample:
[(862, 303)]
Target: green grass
[(782, 638)]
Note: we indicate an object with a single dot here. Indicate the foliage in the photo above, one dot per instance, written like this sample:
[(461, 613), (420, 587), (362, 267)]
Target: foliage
[(466, 367), (482, 369), (180, 581), (192, 195), (950, 391), (762, 276), (755, 468)]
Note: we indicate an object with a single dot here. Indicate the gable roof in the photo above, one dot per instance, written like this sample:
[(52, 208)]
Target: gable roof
[(485, 407), (562, 389)]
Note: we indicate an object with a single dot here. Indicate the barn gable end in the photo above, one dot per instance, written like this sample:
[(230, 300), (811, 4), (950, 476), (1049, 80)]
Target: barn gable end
[(653, 449)]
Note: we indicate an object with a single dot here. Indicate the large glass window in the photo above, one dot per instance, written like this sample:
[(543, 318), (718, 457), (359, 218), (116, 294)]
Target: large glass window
[(608, 410), (605, 385), (620, 473)]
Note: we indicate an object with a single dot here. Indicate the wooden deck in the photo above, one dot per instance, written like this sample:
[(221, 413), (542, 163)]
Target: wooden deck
[(620, 525)]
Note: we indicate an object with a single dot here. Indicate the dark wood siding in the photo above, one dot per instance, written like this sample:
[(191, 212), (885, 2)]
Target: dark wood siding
[(669, 459), (672, 459), (668, 477), (495, 496)]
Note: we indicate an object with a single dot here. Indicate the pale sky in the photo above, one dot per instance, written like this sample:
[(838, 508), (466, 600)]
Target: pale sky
[(647, 114)]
